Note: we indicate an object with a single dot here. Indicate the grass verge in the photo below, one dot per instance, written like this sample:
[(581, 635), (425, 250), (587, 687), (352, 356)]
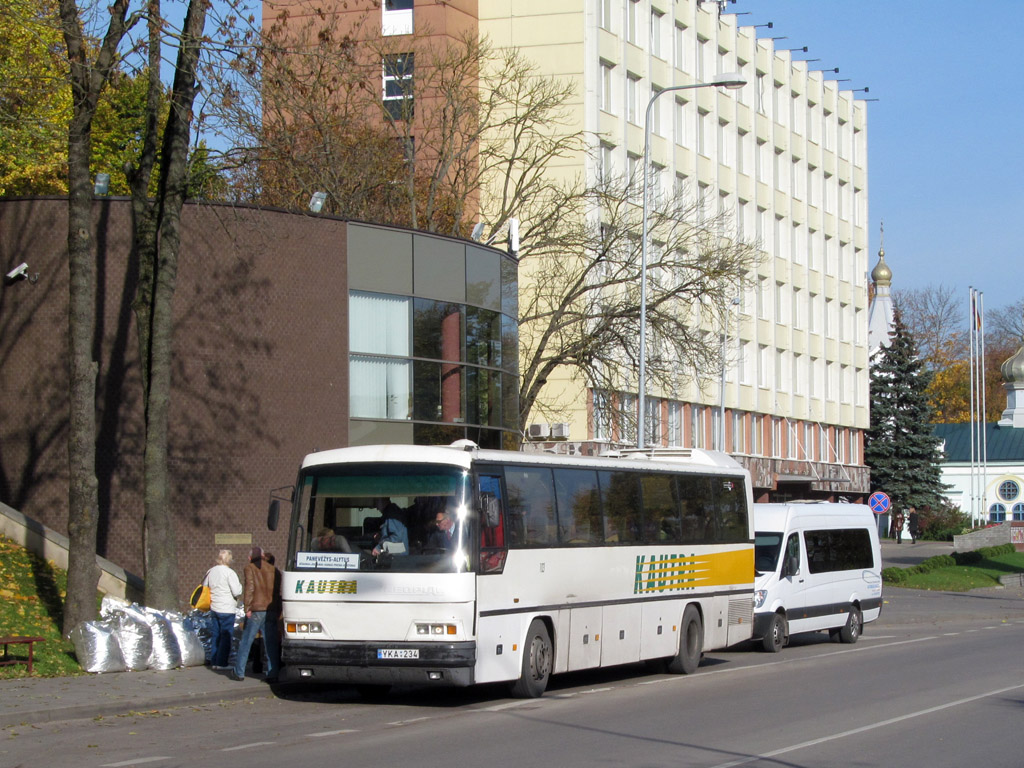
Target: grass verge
[(32, 603), (943, 573)]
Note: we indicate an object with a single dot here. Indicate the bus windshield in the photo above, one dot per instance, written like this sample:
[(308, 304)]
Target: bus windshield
[(398, 517), (767, 546)]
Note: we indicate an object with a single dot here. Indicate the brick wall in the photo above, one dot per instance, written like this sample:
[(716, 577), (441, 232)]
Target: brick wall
[(260, 370)]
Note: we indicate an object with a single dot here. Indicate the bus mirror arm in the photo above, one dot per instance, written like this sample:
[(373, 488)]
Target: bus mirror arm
[(274, 510)]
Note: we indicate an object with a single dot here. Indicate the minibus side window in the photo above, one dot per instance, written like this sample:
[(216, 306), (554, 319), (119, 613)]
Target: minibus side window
[(791, 562)]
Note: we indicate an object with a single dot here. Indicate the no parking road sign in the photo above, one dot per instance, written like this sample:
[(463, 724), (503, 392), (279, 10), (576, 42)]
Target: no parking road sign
[(879, 502)]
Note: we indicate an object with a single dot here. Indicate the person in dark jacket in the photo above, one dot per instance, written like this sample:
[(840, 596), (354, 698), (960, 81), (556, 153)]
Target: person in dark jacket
[(259, 596)]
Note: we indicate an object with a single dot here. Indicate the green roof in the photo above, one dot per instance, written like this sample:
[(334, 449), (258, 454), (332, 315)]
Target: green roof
[(1002, 443)]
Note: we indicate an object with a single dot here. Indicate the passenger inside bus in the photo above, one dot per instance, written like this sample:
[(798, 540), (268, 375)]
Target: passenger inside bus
[(328, 541)]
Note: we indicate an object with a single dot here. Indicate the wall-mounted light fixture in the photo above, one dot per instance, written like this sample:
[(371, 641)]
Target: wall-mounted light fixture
[(102, 184), (316, 202)]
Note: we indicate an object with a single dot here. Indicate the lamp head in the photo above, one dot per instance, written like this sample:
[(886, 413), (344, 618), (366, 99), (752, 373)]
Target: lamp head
[(731, 80)]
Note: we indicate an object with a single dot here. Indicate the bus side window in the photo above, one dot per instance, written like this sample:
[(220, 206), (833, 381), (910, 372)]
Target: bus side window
[(493, 550)]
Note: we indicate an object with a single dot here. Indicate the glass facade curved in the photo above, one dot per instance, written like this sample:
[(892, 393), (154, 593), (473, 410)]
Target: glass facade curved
[(432, 357)]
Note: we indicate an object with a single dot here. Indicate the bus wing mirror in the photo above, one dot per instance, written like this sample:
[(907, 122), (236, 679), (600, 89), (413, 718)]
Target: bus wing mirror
[(792, 566), (273, 514)]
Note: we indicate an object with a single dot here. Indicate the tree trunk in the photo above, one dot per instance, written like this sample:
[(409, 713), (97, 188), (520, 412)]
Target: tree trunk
[(87, 80), (159, 534)]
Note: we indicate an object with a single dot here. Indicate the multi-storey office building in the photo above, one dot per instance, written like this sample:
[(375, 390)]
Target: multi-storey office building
[(785, 156)]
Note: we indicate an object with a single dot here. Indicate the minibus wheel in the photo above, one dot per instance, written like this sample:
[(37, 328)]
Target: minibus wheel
[(854, 624), (776, 635), (538, 656), (691, 644)]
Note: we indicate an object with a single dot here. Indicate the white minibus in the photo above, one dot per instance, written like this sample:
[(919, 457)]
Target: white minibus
[(818, 567)]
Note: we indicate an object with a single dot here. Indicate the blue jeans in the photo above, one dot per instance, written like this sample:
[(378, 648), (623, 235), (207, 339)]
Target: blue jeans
[(223, 626), (271, 643)]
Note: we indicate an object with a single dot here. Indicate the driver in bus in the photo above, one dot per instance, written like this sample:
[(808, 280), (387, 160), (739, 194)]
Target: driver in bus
[(443, 529)]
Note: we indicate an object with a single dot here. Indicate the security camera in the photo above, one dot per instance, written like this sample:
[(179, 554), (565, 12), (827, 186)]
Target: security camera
[(17, 274)]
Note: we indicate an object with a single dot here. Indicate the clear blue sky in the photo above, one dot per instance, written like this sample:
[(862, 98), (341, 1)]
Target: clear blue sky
[(946, 136)]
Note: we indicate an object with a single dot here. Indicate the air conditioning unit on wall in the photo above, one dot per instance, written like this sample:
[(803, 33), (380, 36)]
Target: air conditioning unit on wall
[(538, 430), (560, 430)]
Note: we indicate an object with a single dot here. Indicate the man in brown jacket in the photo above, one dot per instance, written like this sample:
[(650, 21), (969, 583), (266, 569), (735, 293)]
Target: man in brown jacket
[(259, 594)]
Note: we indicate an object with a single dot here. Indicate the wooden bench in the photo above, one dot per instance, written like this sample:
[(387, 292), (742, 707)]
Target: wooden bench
[(19, 640)]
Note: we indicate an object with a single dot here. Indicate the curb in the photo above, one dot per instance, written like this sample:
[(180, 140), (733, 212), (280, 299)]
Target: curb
[(106, 709)]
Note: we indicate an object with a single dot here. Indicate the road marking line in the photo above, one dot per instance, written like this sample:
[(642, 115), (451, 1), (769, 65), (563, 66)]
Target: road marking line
[(406, 722), (249, 746), (139, 761), (864, 728), (331, 733)]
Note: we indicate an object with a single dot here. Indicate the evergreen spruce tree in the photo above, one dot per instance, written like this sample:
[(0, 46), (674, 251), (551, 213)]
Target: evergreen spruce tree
[(901, 448)]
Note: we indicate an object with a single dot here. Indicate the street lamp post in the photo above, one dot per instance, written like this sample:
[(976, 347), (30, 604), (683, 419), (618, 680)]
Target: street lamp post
[(720, 432), (726, 81)]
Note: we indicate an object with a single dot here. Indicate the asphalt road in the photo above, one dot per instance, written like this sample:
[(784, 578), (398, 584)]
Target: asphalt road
[(936, 682)]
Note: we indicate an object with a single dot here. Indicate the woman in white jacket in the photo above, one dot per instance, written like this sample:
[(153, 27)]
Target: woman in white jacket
[(225, 589)]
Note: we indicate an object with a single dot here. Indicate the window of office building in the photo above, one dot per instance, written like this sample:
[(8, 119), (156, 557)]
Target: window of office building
[(633, 21), (739, 432), (675, 424), (633, 109), (657, 31), (679, 46), (398, 85), (397, 17)]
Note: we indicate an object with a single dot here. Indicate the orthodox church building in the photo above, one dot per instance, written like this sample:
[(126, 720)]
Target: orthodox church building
[(992, 490)]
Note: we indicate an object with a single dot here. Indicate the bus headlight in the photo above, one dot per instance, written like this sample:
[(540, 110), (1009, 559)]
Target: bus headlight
[(303, 627), (759, 597), (436, 629)]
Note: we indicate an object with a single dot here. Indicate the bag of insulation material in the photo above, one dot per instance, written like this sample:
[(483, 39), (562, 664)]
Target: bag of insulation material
[(96, 646), (135, 638), (192, 652), (165, 654), (201, 625)]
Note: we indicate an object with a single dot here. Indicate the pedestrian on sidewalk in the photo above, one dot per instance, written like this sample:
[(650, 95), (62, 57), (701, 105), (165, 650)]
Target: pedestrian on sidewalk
[(913, 524), (225, 589), (261, 579), (897, 525)]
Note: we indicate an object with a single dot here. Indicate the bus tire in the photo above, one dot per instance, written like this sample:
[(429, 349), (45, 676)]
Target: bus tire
[(775, 637), (691, 644), (850, 632), (538, 655)]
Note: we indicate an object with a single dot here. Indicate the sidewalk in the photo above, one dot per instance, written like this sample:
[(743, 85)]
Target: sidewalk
[(39, 700), (906, 554)]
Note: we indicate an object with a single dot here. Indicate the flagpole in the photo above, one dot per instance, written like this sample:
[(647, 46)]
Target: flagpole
[(970, 328), (983, 420)]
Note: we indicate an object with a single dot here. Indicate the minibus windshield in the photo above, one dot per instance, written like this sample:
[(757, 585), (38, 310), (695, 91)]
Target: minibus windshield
[(767, 546)]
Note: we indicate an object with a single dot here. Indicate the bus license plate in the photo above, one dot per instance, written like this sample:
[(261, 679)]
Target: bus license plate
[(398, 653)]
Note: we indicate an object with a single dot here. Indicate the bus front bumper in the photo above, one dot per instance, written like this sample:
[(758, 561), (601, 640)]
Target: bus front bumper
[(390, 663)]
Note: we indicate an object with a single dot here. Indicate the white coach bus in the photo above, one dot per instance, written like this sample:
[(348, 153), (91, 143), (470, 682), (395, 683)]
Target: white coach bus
[(511, 566)]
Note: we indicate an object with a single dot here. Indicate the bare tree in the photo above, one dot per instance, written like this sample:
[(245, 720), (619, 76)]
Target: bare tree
[(467, 132), (157, 239), (88, 78), (1005, 326), (936, 318), (580, 304)]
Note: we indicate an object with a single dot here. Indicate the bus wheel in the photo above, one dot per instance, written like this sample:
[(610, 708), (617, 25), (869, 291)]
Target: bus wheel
[(691, 644), (854, 625), (537, 659), (775, 638)]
